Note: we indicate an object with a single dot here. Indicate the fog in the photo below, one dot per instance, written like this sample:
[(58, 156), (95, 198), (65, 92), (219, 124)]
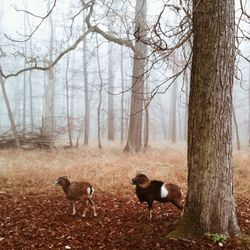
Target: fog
[(57, 32)]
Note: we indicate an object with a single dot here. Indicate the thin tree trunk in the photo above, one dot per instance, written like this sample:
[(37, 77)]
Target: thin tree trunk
[(10, 115), (100, 97), (173, 112), (31, 102), (236, 130), (122, 96), (174, 100), (170, 117), (163, 122), (69, 120), (24, 76), (24, 101), (185, 79), (111, 135), (86, 90), (30, 82), (72, 98), (146, 118)]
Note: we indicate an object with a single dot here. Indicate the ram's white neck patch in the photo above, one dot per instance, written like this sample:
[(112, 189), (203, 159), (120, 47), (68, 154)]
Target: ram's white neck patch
[(164, 191)]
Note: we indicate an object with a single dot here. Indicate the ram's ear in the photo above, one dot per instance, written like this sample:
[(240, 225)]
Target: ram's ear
[(56, 182)]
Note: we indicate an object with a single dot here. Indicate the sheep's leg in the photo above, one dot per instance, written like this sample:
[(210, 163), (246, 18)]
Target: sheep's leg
[(150, 204), (74, 207), (93, 206), (86, 208)]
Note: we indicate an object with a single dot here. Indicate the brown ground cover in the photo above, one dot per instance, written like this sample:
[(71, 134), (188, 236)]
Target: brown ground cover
[(36, 215)]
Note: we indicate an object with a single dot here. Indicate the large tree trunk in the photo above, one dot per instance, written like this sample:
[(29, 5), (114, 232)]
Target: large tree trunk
[(210, 205), (134, 142)]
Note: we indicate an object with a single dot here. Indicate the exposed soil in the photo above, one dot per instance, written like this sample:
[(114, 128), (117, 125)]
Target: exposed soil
[(45, 222)]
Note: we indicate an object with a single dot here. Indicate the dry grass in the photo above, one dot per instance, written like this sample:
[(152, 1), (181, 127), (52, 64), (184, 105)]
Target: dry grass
[(35, 171)]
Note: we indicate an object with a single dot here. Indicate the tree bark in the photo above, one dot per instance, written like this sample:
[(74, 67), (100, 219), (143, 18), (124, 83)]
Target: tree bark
[(210, 205), (134, 141)]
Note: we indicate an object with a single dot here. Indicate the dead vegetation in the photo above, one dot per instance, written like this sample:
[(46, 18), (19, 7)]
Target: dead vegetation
[(109, 171), (34, 213), (27, 139)]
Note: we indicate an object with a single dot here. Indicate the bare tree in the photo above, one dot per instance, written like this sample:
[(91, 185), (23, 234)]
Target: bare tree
[(146, 117), (69, 118), (86, 87), (186, 84), (122, 93), (10, 115), (173, 113), (48, 115), (134, 141), (236, 130), (25, 73), (100, 97), (111, 134)]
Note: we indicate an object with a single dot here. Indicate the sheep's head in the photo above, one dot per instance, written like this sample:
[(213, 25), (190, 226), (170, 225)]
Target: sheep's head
[(62, 181), (141, 180)]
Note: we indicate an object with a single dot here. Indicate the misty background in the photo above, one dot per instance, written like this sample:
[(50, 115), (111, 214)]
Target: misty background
[(109, 70)]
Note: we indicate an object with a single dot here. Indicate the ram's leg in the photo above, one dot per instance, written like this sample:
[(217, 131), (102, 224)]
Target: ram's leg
[(86, 208), (177, 204), (150, 204), (74, 207), (93, 206)]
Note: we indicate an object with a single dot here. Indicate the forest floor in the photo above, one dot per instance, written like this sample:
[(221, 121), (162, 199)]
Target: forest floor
[(36, 215)]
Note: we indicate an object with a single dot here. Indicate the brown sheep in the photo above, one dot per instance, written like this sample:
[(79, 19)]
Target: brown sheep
[(77, 191)]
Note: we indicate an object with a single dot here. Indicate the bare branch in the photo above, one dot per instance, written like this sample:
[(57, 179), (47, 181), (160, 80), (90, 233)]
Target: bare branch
[(53, 63), (37, 27)]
